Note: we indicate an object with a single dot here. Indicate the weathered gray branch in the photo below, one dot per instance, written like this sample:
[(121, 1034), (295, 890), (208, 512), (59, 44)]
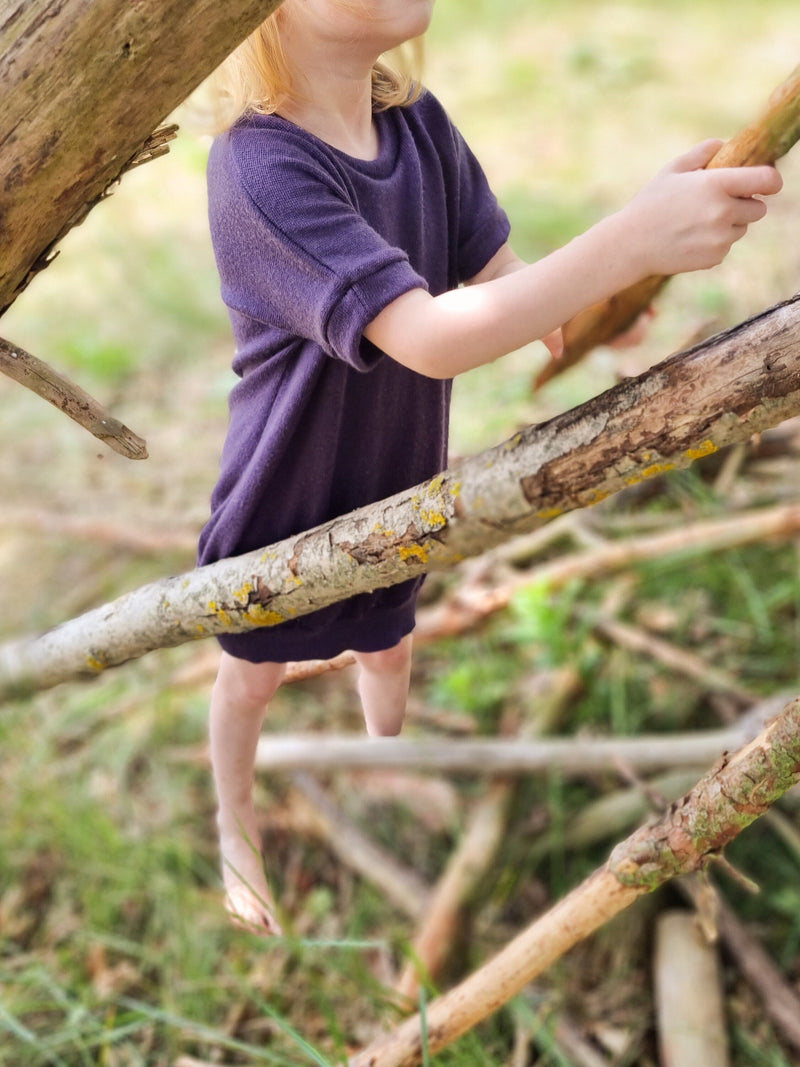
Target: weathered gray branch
[(720, 392)]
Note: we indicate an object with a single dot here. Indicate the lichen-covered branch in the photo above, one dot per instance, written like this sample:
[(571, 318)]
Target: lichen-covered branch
[(765, 141), (720, 392), (684, 839)]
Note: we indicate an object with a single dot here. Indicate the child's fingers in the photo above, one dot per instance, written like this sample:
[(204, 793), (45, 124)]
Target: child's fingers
[(696, 158), (749, 181), (555, 343)]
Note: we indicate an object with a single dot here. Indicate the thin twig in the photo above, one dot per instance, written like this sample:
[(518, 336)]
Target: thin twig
[(781, 1003), (401, 885), (674, 658), (68, 397)]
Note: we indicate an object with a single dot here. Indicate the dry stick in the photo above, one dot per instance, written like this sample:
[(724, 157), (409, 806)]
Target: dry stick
[(724, 391), (60, 155), (765, 141), (573, 756), (729, 798), (466, 607), (100, 531), (688, 996), (402, 886), (434, 940), (615, 813), (47, 382), (677, 659), (781, 1003), (467, 866), (71, 399)]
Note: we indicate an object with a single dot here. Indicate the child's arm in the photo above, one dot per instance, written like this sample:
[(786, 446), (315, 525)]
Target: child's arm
[(685, 219)]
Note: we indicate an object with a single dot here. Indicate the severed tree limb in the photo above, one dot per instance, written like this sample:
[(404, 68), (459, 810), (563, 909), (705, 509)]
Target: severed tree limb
[(71, 399), (781, 1002), (765, 141), (144, 539), (465, 607), (723, 391), (488, 756), (690, 1011), (84, 87), (574, 755), (476, 852), (730, 797), (674, 658)]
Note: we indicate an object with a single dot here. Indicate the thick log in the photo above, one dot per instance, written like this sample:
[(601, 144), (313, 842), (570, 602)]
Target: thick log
[(728, 799), (718, 393), (83, 84), (765, 141)]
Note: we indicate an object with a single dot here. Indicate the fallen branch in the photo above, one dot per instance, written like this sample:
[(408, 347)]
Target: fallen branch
[(100, 531), (690, 405), (781, 1003), (84, 88), (433, 941), (401, 886), (549, 693), (468, 606), (487, 757), (676, 659), (721, 805), (764, 142), (71, 399), (688, 995)]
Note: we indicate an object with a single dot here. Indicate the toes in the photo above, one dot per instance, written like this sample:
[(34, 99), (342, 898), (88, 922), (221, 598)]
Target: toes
[(248, 912)]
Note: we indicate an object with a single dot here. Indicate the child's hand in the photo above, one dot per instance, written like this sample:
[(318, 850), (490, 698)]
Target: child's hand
[(687, 218), (554, 342)]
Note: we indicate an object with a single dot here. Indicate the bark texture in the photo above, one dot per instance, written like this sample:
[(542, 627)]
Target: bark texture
[(721, 805), (765, 141), (83, 84), (71, 399), (720, 392)]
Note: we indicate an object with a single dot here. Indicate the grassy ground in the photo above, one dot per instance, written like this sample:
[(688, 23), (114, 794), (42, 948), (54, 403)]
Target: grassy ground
[(113, 947)]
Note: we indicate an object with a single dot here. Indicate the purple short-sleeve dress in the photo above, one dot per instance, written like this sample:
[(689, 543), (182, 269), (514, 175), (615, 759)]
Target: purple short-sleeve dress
[(311, 244)]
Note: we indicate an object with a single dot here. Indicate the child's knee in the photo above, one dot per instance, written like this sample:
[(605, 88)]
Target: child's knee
[(389, 660), (248, 685)]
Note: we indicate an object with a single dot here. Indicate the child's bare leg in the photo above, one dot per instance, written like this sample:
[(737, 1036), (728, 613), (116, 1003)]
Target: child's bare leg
[(238, 705), (383, 687)]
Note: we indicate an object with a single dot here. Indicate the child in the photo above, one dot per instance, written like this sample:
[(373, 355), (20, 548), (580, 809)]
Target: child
[(345, 212)]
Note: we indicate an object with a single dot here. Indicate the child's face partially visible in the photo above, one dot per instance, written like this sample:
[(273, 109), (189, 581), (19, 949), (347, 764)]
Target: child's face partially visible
[(383, 24)]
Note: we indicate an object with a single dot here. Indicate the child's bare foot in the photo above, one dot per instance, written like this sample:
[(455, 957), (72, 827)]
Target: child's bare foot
[(248, 900)]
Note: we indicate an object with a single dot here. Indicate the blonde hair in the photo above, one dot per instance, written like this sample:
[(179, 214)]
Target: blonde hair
[(256, 78)]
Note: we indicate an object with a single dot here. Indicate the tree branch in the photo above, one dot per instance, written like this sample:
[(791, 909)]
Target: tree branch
[(71, 399), (722, 391), (84, 86), (765, 141), (720, 806)]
